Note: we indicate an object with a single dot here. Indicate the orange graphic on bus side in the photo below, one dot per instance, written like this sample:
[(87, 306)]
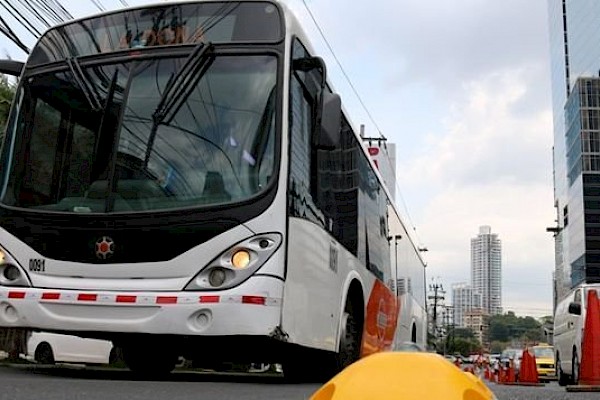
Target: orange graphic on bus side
[(381, 319)]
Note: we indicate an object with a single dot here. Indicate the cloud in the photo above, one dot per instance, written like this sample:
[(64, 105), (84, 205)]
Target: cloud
[(446, 43), (452, 219), (492, 165), (487, 138)]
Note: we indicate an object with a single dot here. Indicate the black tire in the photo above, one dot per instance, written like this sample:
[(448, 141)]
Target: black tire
[(350, 341), (563, 380), (115, 356), (308, 365), (44, 354), (147, 360), (575, 368)]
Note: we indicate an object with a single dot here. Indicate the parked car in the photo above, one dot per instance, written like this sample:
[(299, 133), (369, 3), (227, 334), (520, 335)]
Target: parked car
[(544, 362), (51, 348)]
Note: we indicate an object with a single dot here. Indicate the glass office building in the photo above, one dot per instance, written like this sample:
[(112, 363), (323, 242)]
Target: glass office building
[(575, 72)]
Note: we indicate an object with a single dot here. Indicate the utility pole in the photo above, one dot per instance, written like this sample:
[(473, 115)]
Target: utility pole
[(436, 296)]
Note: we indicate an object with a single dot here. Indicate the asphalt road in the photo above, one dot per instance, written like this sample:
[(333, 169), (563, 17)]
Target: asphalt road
[(27, 381), (550, 391)]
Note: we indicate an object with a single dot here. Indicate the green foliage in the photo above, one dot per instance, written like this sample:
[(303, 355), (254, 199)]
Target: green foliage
[(464, 333), (496, 346), (7, 92), (459, 341), (465, 346), (509, 327)]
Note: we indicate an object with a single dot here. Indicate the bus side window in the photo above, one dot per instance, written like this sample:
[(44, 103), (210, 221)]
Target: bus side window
[(577, 298), (302, 201)]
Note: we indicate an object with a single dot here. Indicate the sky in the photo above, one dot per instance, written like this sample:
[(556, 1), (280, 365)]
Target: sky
[(462, 87)]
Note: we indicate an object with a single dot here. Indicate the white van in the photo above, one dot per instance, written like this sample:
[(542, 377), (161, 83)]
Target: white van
[(569, 322), (50, 348)]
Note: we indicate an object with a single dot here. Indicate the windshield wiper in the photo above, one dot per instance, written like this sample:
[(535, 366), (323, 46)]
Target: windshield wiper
[(181, 83), (177, 90), (84, 84)]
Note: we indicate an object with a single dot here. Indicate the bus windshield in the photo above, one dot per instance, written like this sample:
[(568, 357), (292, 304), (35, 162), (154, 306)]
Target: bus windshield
[(161, 25), (87, 138)]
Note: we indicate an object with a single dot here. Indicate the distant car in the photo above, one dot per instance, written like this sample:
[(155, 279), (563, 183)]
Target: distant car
[(544, 362), (51, 348), (409, 346)]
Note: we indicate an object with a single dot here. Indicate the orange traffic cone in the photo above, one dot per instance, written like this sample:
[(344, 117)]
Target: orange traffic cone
[(510, 377), (528, 372), (590, 345), (501, 375)]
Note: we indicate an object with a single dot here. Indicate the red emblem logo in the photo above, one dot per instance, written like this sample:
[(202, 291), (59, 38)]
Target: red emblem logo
[(105, 248)]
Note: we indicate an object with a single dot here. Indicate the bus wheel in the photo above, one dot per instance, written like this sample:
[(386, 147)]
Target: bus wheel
[(44, 354), (148, 359), (350, 339)]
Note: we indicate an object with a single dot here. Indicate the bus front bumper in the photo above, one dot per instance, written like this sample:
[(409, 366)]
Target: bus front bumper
[(178, 313)]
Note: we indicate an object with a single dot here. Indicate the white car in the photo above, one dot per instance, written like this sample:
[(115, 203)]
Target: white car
[(50, 348)]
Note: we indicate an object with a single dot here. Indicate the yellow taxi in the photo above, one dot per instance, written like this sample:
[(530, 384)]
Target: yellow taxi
[(544, 360)]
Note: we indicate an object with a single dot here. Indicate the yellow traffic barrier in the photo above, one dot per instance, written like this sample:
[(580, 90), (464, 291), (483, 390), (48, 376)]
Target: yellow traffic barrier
[(406, 376)]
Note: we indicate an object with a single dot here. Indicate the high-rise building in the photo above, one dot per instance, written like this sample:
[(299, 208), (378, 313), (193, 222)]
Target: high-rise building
[(575, 73), (477, 321), (486, 270), (464, 300)]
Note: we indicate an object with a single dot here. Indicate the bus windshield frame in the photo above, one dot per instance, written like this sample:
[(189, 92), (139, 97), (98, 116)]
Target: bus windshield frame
[(97, 163), (173, 24)]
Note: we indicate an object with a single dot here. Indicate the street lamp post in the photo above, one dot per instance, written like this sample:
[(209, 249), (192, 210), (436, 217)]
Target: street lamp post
[(396, 238)]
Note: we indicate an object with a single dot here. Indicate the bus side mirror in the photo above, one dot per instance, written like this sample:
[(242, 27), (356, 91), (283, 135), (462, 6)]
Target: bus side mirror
[(329, 105), (575, 308), (11, 67), (331, 117)]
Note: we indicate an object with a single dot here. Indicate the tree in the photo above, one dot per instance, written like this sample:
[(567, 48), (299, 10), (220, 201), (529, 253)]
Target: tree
[(464, 333), (7, 92), (509, 327)]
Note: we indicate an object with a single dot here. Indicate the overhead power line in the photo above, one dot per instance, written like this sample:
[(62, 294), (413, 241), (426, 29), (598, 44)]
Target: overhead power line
[(8, 32), (35, 16), (98, 5), (342, 68), (370, 116), (18, 15)]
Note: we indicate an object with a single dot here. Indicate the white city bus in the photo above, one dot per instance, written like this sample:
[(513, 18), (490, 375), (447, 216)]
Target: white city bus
[(181, 180)]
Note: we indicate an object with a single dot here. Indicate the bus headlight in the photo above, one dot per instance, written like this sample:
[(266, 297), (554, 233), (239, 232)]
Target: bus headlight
[(237, 263), (217, 277), (11, 273), (240, 259)]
